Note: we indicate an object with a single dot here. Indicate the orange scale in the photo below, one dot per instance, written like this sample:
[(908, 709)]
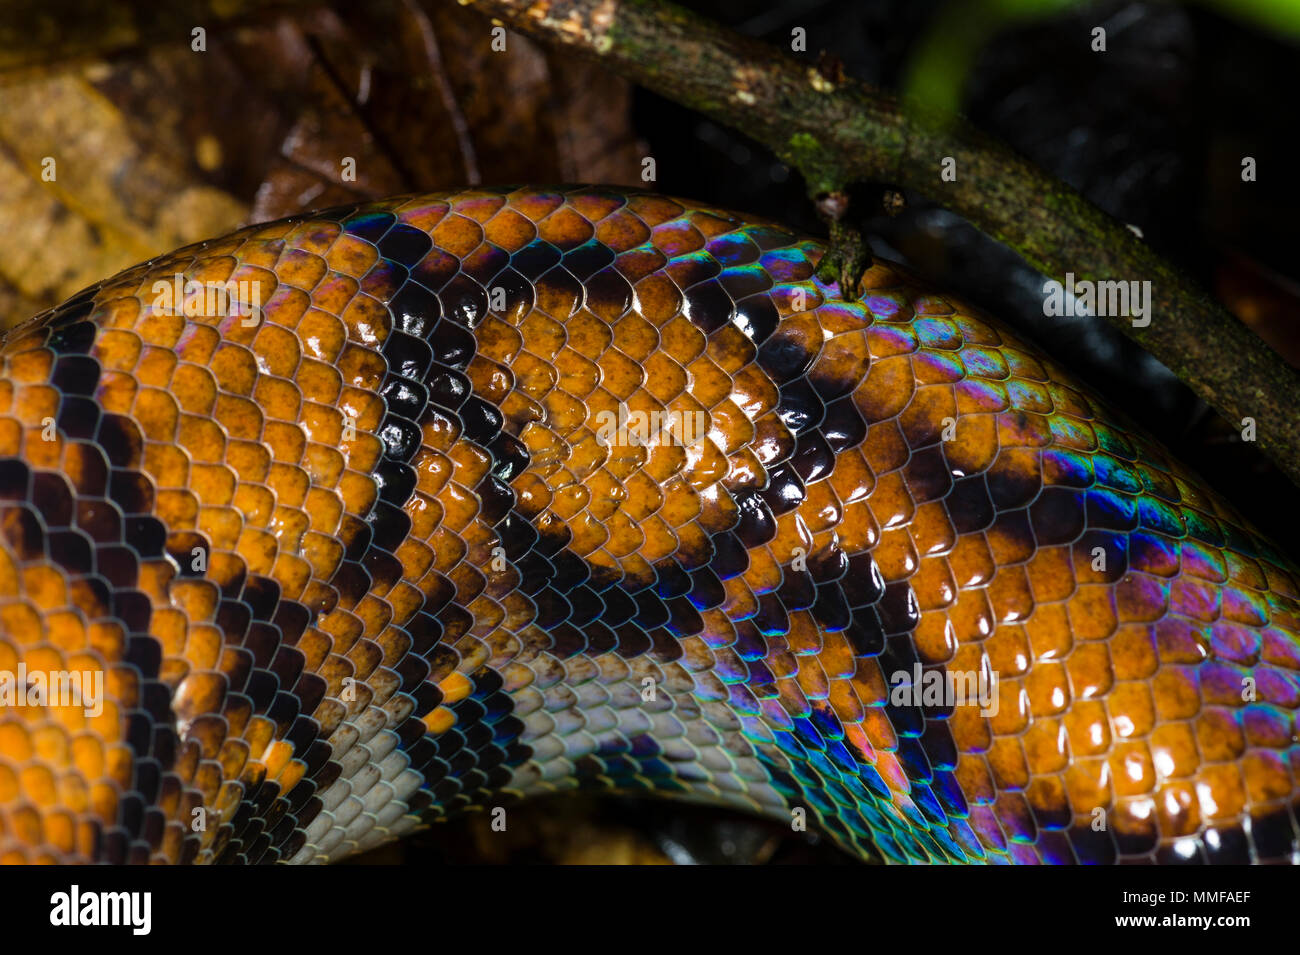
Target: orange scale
[(1221, 791), (607, 495), (589, 338), (674, 502), (1052, 573), (324, 465), (46, 586), (597, 206), (234, 757), (16, 747), (1174, 750), (490, 380), (565, 227), (11, 436), (1013, 706), (42, 453), (241, 419), (653, 210), (821, 513), (24, 825), (752, 391), (1092, 673), (1176, 693), (257, 503), (638, 338), (1091, 612), (66, 630), (1009, 651), (156, 368), (935, 368), (1088, 727), (733, 431), (367, 320), (1048, 688), (507, 229), (892, 772), (34, 404), (194, 386), (292, 573), (278, 349), (1177, 810), (422, 214), (439, 720), (587, 455), (1267, 777), (23, 623), (111, 312), (74, 789), (844, 699), (351, 255), (324, 554), (926, 418), (347, 633), (709, 382), (300, 268), (258, 550), (589, 535), (478, 206), (716, 510), (1010, 597), (1007, 765), (692, 541), (1132, 772), (740, 602), (793, 542), (32, 367), (704, 465), (375, 615)]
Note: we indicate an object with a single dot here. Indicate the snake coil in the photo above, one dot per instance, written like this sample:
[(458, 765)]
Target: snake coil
[(448, 500)]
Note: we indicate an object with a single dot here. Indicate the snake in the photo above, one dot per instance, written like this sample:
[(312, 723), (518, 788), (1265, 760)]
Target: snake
[(326, 531)]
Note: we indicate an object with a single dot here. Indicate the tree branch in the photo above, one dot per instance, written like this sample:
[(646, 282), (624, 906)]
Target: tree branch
[(842, 131)]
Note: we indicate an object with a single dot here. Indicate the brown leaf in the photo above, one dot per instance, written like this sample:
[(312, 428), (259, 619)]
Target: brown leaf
[(160, 145)]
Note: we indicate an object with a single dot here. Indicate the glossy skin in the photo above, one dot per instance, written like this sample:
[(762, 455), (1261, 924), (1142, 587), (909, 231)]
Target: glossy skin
[(426, 584)]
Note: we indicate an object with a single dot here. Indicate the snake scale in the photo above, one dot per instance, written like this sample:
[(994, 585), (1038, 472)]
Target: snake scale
[(366, 556)]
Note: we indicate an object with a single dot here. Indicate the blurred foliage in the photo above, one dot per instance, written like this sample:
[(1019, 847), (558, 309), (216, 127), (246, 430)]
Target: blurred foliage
[(945, 55)]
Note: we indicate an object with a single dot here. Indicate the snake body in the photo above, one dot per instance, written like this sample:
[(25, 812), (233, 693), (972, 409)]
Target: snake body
[(367, 556)]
